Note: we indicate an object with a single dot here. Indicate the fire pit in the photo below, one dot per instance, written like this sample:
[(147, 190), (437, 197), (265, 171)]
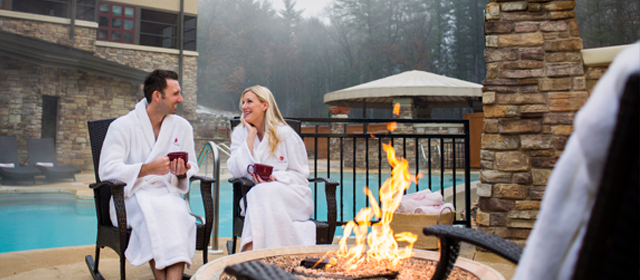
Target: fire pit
[(214, 269), (375, 255)]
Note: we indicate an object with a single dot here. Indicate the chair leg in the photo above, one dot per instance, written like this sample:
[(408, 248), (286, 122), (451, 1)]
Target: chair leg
[(97, 258), (235, 244), (205, 255), (122, 271), (93, 266)]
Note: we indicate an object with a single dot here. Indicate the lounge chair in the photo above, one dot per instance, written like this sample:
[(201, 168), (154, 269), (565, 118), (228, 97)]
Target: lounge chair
[(42, 154), (324, 229), (10, 168), (117, 238)]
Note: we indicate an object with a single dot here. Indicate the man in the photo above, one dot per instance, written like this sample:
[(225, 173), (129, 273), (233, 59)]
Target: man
[(135, 151)]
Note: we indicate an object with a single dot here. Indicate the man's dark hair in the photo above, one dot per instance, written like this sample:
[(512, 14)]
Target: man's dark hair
[(157, 81)]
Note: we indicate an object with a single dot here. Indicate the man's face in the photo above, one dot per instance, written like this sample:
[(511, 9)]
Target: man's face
[(171, 98)]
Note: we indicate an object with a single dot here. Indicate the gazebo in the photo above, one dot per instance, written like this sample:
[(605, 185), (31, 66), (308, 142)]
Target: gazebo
[(424, 90)]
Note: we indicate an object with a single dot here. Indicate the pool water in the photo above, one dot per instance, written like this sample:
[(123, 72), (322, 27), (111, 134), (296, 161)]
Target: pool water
[(28, 226)]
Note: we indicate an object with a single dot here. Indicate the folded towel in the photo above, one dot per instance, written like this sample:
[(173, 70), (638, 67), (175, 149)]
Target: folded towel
[(419, 199), (434, 209)]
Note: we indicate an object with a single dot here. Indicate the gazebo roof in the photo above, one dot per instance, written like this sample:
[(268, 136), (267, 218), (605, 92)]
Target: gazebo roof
[(426, 87)]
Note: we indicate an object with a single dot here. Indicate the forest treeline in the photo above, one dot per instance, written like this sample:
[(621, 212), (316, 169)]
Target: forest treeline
[(246, 42)]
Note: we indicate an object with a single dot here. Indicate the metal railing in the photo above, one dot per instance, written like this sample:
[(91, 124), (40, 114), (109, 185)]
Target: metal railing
[(362, 145), (211, 150)]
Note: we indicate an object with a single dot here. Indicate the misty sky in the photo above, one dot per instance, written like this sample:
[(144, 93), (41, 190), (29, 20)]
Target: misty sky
[(311, 7)]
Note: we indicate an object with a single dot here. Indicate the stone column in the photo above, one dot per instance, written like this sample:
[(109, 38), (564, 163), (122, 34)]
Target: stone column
[(535, 84), (337, 113)]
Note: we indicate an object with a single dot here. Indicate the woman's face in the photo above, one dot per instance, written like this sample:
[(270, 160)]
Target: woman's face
[(252, 108)]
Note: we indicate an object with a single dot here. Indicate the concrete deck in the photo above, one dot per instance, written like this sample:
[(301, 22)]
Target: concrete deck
[(68, 262)]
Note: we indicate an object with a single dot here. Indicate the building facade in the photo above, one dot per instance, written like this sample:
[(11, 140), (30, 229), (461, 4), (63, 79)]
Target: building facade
[(64, 62)]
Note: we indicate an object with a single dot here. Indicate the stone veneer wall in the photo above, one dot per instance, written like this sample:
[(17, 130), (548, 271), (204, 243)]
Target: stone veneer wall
[(82, 96), (535, 84), (149, 61)]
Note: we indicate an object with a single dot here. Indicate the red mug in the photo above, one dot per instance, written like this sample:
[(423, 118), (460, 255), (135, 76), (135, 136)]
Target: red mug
[(261, 170), (176, 155)]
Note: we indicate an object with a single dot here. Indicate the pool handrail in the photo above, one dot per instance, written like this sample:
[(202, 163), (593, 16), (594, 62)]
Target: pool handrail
[(212, 147)]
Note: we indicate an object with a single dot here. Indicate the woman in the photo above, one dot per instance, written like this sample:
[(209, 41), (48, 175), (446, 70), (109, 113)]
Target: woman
[(278, 209)]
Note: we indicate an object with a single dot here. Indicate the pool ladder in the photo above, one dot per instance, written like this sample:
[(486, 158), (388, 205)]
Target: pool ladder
[(213, 149)]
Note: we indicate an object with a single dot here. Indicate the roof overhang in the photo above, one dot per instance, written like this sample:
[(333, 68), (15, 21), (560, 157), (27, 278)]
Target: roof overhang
[(53, 55)]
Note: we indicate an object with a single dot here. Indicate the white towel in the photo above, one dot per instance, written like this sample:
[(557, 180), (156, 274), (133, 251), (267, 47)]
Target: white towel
[(434, 209), (553, 246), (410, 202)]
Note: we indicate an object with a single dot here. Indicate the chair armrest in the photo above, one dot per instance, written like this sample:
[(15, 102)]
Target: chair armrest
[(242, 180), (244, 184), (330, 194), (451, 236), (117, 192), (202, 179)]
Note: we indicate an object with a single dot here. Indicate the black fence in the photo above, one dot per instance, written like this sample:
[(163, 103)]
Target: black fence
[(350, 150)]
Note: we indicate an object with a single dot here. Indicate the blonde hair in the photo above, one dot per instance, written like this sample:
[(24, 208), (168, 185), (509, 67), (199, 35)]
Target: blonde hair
[(272, 116)]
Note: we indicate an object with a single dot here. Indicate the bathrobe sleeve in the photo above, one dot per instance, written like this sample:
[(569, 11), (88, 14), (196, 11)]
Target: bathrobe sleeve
[(114, 153)]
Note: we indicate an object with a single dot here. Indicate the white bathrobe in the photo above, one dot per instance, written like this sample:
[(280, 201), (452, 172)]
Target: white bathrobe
[(553, 246), (162, 228), (278, 212)]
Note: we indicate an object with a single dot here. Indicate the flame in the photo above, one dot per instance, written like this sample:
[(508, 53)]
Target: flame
[(382, 243), (396, 108), (392, 126)]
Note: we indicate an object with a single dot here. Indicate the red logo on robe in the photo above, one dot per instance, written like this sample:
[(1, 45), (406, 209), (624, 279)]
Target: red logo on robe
[(281, 158), (175, 141)]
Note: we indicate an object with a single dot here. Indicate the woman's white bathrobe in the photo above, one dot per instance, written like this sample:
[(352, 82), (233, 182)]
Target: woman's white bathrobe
[(278, 212), (162, 228)]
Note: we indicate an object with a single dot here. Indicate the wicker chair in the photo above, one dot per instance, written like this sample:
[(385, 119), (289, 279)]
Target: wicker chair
[(43, 151), (610, 246), (117, 238), (324, 229)]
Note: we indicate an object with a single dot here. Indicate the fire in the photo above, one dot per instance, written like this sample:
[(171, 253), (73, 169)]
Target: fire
[(381, 241), (396, 108), (392, 126)]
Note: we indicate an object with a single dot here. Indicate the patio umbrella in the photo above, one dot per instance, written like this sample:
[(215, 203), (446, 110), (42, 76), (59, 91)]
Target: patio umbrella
[(427, 90)]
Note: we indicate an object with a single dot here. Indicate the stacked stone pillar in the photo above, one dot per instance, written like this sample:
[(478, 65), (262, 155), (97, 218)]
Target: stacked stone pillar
[(535, 84)]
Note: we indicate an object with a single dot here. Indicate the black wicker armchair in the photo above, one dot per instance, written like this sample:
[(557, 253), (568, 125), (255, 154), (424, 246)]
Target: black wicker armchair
[(117, 238), (324, 229)]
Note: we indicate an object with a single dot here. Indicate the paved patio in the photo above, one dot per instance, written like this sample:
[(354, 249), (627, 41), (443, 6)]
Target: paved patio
[(68, 262)]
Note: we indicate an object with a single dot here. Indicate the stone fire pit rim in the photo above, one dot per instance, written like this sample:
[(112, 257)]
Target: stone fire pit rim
[(213, 269)]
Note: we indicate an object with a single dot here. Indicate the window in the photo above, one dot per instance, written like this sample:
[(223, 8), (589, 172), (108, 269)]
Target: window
[(116, 23), (190, 33), (56, 8), (158, 29), (86, 10)]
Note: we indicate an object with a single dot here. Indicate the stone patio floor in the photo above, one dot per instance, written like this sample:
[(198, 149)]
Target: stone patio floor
[(68, 262)]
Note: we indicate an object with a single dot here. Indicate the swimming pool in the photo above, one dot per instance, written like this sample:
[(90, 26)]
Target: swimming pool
[(49, 220)]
